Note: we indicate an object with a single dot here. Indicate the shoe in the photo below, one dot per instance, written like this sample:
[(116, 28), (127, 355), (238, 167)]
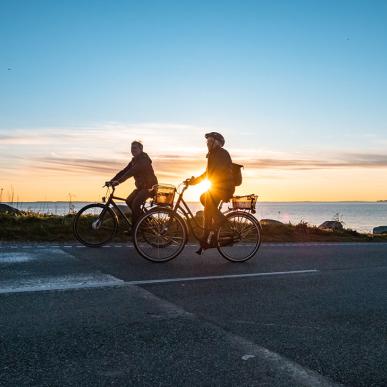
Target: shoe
[(203, 246), (208, 242), (199, 251)]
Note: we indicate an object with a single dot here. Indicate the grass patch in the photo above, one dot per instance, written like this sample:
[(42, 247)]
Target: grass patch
[(36, 227), (54, 228), (302, 232)]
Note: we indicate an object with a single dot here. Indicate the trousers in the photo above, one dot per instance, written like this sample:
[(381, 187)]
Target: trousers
[(212, 215), (135, 200)]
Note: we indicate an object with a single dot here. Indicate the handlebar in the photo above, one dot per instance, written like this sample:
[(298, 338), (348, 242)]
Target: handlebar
[(107, 185), (187, 182)]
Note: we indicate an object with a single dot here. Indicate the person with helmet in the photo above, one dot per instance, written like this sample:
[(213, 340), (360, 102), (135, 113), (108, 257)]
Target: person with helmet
[(140, 168), (219, 173)]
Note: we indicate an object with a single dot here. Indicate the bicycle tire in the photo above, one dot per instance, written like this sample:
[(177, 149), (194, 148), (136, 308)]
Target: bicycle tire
[(149, 241), (94, 242), (228, 251), (143, 233)]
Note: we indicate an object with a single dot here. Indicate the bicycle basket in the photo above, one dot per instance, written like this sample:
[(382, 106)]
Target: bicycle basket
[(246, 202), (164, 194)]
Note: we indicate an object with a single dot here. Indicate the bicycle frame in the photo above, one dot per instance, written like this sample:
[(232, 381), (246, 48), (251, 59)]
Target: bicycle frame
[(187, 213), (110, 202)]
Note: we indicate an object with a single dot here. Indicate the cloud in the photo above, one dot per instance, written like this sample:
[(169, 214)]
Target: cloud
[(22, 139), (87, 150), (178, 167), (164, 166), (349, 160), (106, 132), (77, 166), (40, 138)]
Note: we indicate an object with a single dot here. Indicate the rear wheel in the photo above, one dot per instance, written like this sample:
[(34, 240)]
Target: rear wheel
[(95, 225), (240, 237), (160, 235)]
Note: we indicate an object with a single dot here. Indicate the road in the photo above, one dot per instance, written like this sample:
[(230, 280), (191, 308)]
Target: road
[(297, 314)]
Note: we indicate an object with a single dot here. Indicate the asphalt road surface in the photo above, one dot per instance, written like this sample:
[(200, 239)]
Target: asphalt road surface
[(295, 315)]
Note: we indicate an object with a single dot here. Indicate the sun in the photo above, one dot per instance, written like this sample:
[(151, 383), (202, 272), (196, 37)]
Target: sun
[(196, 190)]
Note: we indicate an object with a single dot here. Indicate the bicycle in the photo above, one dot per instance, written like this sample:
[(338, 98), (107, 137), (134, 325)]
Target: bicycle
[(162, 233), (96, 224)]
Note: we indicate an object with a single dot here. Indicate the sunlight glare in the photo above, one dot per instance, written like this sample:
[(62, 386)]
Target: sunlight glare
[(197, 190)]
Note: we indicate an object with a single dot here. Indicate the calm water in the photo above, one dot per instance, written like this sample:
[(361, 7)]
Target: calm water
[(360, 216)]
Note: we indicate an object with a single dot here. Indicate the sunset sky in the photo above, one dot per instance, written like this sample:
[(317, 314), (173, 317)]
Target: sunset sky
[(298, 89)]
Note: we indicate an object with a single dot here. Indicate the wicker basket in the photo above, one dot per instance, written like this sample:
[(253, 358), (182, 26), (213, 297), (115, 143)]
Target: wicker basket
[(246, 202), (164, 194)]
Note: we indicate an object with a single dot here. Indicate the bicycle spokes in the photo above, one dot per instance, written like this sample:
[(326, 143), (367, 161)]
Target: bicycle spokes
[(239, 238), (95, 225), (160, 235)]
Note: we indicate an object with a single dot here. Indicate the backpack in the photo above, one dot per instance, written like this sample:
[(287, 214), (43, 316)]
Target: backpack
[(237, 174)]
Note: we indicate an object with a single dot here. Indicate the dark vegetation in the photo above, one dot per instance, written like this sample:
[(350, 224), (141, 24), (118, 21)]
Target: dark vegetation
[(54, 228)]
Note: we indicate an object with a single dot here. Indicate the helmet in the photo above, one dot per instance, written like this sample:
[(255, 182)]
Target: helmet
[(216, 136)]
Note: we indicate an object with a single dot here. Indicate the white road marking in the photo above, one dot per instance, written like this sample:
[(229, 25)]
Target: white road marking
[(269, 244), (16, 257), (51, 254), (5, 245), (67, 282), (280, 365), (35, 279), (287, 369), (217, 277)]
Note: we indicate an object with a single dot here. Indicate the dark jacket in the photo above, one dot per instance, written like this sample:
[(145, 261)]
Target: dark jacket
[(141, 169), (219, 173)]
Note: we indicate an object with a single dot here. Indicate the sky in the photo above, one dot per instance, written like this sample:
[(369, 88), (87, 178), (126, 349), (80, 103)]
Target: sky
[(297, 88)]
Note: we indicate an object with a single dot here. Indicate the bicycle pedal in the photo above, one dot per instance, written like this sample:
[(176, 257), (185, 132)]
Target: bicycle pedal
[(228, 240)]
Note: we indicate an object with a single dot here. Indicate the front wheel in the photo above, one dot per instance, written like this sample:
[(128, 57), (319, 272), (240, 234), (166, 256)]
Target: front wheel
[(160, 235), (240, 237), (94, 225)]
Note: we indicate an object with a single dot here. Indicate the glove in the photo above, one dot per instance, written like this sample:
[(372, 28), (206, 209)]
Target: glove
[(189, 180)]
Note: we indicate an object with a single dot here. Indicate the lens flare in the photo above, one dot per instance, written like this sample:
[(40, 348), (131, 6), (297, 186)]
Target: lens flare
[(196, 190)]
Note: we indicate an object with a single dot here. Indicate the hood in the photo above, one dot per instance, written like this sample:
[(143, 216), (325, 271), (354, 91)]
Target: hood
[(142, 156)]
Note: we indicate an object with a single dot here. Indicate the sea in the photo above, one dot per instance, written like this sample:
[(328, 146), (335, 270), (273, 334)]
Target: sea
[(359, 216)]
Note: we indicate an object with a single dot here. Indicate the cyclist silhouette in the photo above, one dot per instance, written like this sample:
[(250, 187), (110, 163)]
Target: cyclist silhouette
[(219, 173), (140, 168)]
